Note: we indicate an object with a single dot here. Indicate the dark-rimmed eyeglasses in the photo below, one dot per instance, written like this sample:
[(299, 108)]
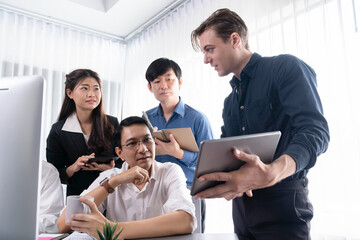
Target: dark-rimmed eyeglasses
[(136, 144)]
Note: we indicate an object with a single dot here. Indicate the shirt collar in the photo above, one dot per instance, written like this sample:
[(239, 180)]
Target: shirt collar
[(179, 109), (249, 70), (72, 124)]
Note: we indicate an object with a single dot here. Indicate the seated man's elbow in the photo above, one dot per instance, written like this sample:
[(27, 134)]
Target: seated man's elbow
[(189, 224), (191, 228)]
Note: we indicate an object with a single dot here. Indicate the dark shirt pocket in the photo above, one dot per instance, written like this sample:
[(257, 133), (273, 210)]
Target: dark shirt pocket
[(259, 116)]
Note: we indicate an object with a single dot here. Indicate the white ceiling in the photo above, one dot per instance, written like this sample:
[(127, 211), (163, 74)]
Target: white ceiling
[(115, 17)]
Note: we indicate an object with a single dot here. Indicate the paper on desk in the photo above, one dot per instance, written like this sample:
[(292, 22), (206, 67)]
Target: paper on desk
[(47, 236), (79, 236)]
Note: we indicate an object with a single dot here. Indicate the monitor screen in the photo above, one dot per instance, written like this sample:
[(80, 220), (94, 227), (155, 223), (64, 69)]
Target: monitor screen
[(21, 100)]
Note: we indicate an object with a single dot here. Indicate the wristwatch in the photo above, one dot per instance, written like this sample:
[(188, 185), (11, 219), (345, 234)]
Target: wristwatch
[(105, 183)]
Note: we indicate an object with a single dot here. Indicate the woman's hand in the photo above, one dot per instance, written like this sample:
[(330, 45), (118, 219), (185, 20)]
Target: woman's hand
[(99, 166), (79, 164)]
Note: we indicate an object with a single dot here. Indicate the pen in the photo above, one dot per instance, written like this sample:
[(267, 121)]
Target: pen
[(147, 119), (165, 139), (61, 236)]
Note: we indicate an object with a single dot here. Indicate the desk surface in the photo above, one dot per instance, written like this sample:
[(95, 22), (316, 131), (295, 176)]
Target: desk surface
[(200, 236), (194, 236)]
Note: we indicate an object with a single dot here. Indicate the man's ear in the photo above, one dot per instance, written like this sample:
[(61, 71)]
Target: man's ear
[(235, 39), (180, 82), (149, 87), (68, 93), (119, 153)]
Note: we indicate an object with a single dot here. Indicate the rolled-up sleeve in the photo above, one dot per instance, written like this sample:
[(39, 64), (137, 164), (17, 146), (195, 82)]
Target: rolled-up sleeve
[(179, 197), (301, 102)]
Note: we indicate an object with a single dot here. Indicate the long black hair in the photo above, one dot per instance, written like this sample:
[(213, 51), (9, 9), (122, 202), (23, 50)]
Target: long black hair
[(102, 130)]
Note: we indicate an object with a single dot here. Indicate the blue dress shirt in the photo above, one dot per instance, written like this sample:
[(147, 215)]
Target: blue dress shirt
[(182, 117)]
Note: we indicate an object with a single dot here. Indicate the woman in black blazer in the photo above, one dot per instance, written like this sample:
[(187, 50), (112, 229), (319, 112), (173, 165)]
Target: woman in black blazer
[(83, 131)]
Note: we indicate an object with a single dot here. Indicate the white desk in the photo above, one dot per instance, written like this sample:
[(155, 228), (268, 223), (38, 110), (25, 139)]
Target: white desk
[(200, 236)]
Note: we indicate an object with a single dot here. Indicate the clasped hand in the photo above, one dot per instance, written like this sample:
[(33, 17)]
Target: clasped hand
[(136, 175)]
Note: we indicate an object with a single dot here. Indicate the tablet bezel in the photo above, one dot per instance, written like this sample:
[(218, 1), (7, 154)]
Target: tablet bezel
[(261, 144)]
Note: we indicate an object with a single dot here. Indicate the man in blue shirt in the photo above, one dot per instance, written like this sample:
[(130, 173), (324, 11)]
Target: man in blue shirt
[(268, 94), (164, 78)]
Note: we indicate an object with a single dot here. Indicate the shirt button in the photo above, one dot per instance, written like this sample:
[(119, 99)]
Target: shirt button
[(242, 107), (243, 128)]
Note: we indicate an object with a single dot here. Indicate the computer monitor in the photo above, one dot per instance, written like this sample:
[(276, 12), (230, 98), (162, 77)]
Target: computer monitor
[(21, 100)]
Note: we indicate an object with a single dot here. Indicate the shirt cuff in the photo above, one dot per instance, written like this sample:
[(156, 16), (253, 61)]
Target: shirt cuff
[(189, 158), (301, 155)]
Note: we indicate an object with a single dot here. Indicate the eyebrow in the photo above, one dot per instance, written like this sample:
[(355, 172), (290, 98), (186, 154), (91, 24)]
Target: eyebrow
[(169, 74), (85, 84), (166, 75), (135, 139), (207, 46)]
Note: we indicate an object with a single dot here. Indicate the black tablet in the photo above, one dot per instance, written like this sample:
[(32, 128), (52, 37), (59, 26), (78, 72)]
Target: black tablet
[(100, 160), (216, 155)]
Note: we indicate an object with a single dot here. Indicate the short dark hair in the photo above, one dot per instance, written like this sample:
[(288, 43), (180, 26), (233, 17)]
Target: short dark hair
[(161, 66), (131, 121), (224, 22)]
